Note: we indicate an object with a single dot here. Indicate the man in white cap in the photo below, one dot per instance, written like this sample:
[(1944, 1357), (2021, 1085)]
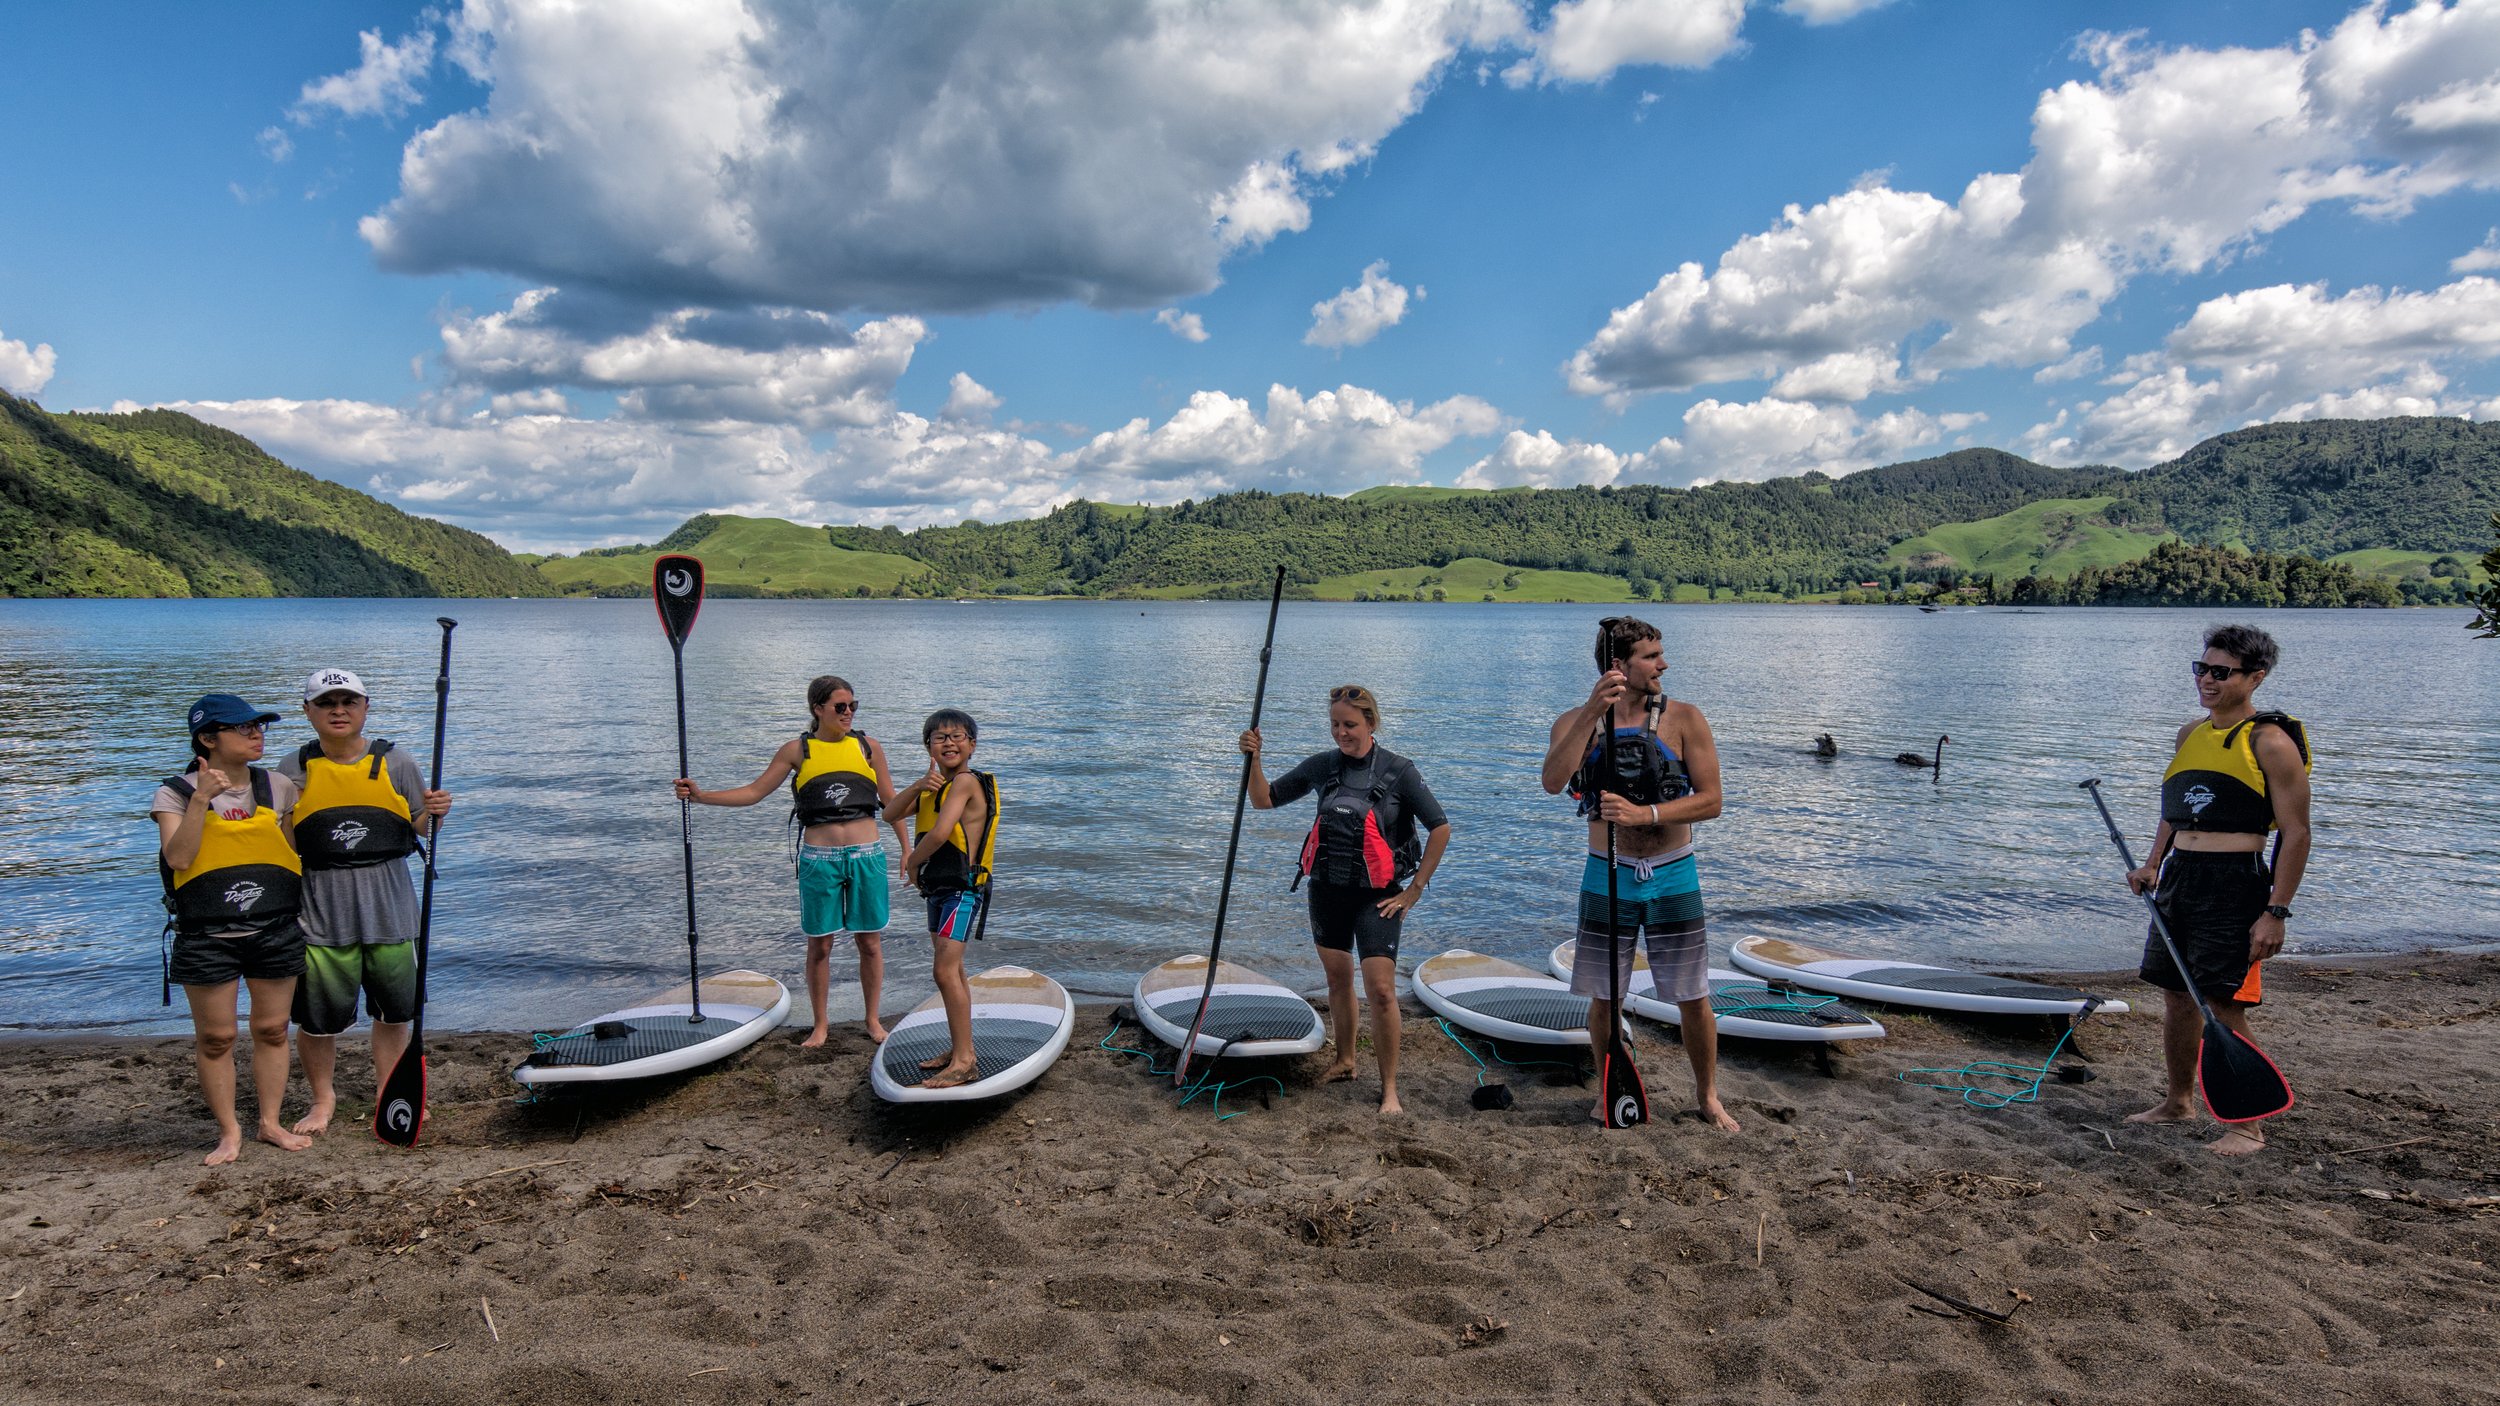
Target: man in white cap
[(363, 810)]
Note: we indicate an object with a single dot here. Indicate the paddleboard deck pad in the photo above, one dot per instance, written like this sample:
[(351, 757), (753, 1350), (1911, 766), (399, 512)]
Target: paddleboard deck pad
[(1907, 983), (1744, 1006), (1250, 1016), (658, 1037), (1501, 999), (1021, 1020)]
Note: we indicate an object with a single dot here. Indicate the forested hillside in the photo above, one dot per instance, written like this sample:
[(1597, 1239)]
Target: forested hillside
[(160, 504), (2321, 487)]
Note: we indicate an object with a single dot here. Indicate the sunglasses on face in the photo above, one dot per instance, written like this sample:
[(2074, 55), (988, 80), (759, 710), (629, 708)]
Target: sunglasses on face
[(337, 700), (2198, 668), (941, 738), (844, 708), (247, 729)]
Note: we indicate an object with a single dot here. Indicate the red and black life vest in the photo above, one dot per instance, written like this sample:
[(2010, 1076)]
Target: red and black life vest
[(1348, 846)]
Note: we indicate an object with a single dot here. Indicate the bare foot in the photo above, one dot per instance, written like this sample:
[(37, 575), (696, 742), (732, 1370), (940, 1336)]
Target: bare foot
[(317, 1120), (1389, 1106), (876, 1032), (952, 1076), (2164, 1113), (1715, 1114), (937, 1063), (279, 1137), (815, 1039), (229, 1146), (1337, 1073), (2235, 1143)]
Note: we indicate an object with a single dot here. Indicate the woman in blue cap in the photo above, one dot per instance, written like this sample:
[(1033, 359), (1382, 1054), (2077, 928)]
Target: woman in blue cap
[(226, 850)]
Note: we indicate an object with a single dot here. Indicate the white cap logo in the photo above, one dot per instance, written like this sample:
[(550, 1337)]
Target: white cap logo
[(322, 681)]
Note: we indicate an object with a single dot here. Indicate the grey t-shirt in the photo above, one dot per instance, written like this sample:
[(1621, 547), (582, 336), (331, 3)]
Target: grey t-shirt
[(373, 905)]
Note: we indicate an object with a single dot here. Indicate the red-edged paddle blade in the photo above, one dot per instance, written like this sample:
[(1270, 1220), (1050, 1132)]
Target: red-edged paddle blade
[(1619, 1083), (399, 1115), (2239, 1083), (677, 589)]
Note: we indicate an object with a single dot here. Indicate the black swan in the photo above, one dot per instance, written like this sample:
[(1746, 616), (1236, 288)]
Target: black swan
[(1825, 747), (1914, 759)]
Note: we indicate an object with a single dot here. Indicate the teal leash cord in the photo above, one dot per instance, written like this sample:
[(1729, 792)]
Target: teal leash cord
[(2026, 1078), (1204, 1083), (1483, 1069)]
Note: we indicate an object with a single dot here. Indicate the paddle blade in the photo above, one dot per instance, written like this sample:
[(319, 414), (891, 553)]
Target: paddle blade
[(2239, 1083), (1619, 1084), (400, 1112), (677, 588)]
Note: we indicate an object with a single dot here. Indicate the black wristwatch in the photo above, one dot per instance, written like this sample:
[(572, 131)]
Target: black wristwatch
[(2277, 910)]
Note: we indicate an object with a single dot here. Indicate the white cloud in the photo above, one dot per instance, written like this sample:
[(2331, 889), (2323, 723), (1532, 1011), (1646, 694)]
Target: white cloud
[(968, 399), (540, 477), (2168, 161), (1585, 41), (2481, 257), (1187, 326), (2286, 353), (26, 370), (383, 83), (276, 144), (1771, 438), (837, 156), (802, 368), (2086, 362), (1358, 314), (1541, 461), (1829, 11)]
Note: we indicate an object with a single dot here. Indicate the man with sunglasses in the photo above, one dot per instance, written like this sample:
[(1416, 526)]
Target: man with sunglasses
[(363, 810), (2236, 775)]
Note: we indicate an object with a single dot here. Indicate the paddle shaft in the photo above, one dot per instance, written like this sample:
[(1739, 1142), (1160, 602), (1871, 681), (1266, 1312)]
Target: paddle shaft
[(1615, 1047), (397, 1088), (1232, 847), (685, 833), (2152, 907)]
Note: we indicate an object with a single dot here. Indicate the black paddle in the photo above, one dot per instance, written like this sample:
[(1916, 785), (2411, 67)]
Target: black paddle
[(2239, 1083), (399, 1113), (1232, 848), (677, 589), (1618, 1081)]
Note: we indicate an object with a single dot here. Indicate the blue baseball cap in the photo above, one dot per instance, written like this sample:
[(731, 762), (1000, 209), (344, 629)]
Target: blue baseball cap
[(226, 710)]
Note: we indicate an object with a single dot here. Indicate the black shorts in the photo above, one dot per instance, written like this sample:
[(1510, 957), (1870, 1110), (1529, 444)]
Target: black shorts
[(1346, 918), (260, 956), (2210, 899)]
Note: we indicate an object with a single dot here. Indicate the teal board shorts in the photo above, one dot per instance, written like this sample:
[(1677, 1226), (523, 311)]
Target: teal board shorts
[(841, 889), (386, 972)]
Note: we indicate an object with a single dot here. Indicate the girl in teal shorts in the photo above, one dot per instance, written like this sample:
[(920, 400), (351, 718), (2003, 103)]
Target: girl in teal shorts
[(838, 784)]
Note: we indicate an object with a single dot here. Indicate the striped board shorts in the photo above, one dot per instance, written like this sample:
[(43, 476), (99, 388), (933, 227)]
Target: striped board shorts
[(1658, 898)]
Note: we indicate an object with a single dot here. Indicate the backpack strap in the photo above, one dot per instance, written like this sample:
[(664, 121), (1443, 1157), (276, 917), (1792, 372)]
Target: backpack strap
[(305, 753), (376, 750), (263, 793)]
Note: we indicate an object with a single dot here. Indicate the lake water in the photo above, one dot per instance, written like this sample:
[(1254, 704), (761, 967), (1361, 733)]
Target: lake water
[(1111, 726)]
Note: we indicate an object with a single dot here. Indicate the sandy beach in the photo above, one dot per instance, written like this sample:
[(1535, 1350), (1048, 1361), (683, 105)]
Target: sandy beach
[(768, 1231)]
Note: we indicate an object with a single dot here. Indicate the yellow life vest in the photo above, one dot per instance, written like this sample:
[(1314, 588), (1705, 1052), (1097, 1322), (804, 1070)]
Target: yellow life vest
[(952, 869), (350, 815), (835, 781), (2214, 782), (246, 876)]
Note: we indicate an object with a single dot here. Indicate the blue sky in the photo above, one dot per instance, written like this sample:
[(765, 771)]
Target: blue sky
[(568, 274)]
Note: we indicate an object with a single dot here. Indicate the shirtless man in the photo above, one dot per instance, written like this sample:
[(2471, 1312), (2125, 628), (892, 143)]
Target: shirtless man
[(1672, 777), (2237, 774)]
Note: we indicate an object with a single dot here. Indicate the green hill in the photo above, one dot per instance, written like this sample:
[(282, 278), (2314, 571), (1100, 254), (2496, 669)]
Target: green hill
[(1471, 578), (2323, 487), (160, 504), (2052, 537), (741, 556)]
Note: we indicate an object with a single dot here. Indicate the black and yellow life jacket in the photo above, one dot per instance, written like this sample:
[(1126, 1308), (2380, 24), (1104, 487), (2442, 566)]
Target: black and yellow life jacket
[(835, 781), (952, 869), (246, 877), (350, 815), (2215, 784)]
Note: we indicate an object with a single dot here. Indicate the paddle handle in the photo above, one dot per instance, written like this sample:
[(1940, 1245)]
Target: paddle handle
[(2161, 927), (1232, 846)]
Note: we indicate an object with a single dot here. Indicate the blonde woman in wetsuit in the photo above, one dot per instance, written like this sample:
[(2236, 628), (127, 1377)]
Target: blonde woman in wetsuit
[(838, 784), (1358, 857)]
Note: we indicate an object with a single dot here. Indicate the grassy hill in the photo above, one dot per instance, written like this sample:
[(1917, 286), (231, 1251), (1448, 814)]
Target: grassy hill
[(2052, 537), (741, 556), (160, 504), (1472, 578)]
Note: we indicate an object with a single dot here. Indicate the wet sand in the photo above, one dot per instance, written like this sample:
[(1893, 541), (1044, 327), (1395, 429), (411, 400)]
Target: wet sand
[(767, 1231)]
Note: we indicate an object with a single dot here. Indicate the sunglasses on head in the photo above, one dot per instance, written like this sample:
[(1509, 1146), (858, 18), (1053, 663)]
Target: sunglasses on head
[(2198, 668)]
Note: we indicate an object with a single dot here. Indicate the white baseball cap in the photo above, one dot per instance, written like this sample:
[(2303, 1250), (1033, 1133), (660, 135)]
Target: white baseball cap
[(321, 681)]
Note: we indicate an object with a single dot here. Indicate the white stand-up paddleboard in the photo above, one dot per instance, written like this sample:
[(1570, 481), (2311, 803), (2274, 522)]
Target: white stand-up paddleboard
[(1021, 1020), (1250, 1016), (1906, 983), (657, 1037), (1501, 999), (1744, 1005)]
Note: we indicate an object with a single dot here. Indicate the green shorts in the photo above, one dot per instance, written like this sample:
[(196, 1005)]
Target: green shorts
[(325, 1000), (841, 889)]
